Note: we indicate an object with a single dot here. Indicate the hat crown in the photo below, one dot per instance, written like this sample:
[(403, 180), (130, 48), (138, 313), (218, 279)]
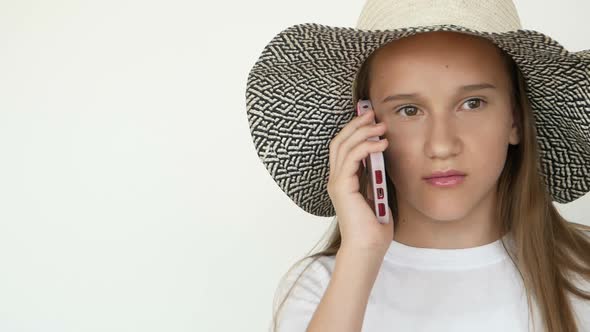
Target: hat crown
[(484, 15)]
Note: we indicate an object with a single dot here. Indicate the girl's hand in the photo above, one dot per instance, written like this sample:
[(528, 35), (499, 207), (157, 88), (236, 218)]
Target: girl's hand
[(358, 224)]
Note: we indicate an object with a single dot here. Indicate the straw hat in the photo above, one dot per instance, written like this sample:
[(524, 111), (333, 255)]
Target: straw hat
[(299, 91)]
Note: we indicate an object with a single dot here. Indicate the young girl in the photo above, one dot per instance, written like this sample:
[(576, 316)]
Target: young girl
[(507, 111)]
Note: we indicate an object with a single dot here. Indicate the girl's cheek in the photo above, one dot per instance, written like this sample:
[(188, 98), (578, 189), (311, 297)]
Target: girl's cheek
[(398, 142), (395, 134)]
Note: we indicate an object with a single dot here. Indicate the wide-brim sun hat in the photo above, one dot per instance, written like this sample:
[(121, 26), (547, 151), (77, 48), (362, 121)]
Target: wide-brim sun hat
[(299, 91)]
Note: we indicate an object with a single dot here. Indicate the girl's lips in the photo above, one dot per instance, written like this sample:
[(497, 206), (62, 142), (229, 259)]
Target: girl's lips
[(449, 172), (446, 181)]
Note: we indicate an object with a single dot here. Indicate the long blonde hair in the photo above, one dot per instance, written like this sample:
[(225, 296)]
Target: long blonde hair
[(548, 248)]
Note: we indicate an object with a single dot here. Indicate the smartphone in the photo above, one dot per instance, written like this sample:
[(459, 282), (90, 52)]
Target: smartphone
[(375, 165)]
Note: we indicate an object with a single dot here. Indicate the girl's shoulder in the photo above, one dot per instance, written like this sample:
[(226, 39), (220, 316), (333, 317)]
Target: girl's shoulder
[(308, 277), (314, 271), (300, 290)]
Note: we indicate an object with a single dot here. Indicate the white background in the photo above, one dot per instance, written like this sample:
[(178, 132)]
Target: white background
[(131, 196)]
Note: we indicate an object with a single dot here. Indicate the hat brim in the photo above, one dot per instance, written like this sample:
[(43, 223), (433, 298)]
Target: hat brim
[(298, 97)]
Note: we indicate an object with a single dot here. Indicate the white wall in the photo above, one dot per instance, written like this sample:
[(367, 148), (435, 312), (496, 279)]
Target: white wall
[(122, 126)]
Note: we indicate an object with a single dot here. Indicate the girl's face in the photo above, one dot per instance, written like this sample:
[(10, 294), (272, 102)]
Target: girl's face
[(445, 98)]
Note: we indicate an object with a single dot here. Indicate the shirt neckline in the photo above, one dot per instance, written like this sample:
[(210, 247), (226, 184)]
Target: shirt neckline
[(448, 259)]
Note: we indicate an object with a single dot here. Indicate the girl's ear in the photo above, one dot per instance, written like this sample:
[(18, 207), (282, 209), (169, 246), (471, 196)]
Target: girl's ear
[(514, 138)]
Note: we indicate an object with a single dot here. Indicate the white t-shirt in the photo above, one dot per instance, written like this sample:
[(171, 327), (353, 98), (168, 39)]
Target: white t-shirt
[(425, 289)]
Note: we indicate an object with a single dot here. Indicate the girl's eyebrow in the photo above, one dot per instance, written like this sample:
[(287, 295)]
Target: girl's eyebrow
[(464, 88)]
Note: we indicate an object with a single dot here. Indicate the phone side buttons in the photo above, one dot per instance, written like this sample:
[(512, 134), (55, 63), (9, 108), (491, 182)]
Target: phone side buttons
[(381, 209), (380, 193), (378, 177)]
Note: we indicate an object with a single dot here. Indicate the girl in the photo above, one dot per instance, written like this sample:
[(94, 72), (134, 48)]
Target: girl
[(488, 253)]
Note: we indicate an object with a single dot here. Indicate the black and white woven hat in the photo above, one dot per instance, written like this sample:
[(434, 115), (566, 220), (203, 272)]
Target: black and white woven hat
[(299, 91)]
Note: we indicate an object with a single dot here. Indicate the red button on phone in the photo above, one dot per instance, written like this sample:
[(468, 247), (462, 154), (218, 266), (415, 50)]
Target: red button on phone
[(381, 209), (378, 177)]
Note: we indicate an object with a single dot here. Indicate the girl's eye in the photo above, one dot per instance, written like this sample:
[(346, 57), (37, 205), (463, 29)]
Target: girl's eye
[(477, 101), (407, 107), (473, 102)]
